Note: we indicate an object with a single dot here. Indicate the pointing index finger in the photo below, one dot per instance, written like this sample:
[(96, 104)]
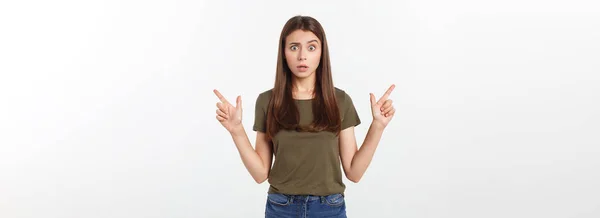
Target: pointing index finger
[(387, 94), (220, 97)]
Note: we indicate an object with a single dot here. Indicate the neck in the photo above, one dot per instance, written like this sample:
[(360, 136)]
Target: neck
[(304, 84)]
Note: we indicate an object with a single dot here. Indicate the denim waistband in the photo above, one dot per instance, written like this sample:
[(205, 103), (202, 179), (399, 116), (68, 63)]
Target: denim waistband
[(304, 197), (307, 198)]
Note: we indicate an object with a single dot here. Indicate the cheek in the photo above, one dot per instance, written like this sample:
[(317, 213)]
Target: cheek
[(288, 58), (287, 55), (316, 59)]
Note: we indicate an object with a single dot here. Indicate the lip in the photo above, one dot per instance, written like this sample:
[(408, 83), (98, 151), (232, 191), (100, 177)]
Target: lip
[(302, 67)]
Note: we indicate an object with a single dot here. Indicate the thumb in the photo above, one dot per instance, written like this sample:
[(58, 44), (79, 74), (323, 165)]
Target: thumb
[(238, 102), (373, 101)]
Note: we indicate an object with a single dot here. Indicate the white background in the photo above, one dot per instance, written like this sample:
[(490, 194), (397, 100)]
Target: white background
[(107, 109)]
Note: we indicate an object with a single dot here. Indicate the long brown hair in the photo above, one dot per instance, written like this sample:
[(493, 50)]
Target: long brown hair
[(282, 112)]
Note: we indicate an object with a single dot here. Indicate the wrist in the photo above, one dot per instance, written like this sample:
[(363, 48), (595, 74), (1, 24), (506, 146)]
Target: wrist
[(237, 130), (377, 125)]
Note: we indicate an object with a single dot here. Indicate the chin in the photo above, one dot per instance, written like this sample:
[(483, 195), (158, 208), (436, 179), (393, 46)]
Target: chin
[(302, 74)]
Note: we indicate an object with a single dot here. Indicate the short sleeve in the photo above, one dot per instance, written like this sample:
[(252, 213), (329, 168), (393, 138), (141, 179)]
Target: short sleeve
[(349, 114), (260, 113)]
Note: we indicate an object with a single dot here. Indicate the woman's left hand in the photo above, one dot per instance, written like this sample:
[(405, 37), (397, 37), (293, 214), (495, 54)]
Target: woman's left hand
[(382, 110)]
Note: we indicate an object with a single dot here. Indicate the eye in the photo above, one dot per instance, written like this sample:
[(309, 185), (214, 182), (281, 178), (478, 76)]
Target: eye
[(294, 48), (312, 48)]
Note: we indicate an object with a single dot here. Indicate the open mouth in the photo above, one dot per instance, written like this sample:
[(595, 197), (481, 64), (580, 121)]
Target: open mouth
[(302, 67)]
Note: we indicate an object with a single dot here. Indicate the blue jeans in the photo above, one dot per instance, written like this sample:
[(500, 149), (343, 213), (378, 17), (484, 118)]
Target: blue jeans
[(309, 206)]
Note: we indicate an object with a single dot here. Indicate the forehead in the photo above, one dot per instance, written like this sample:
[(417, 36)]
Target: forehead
[(301, 36)]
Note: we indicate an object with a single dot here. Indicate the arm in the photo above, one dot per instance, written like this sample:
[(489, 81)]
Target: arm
[(354, 161), (257, 162)]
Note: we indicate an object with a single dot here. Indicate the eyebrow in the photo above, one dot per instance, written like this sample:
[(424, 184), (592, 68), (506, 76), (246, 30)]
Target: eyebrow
[(297, 43)]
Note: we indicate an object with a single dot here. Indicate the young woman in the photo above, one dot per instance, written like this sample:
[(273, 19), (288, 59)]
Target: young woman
[(308, 125)]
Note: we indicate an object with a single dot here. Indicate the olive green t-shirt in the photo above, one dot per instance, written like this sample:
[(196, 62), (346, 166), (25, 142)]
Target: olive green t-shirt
[(306, 163)]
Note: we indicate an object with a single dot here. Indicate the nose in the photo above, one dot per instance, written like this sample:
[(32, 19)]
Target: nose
[(301, 55)]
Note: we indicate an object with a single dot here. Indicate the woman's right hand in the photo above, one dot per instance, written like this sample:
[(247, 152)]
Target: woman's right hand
[(229, 116)]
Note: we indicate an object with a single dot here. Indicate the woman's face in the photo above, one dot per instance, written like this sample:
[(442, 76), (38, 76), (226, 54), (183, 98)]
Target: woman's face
[(302, 53)]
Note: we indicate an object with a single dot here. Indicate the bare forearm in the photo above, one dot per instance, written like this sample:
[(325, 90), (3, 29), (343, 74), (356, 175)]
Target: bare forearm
[(250, 158), (362, 158)]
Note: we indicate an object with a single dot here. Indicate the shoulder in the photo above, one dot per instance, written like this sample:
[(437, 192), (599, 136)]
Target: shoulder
[(342, 96), (344, 100), (263, 98), (266, 93), (340, 92)]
